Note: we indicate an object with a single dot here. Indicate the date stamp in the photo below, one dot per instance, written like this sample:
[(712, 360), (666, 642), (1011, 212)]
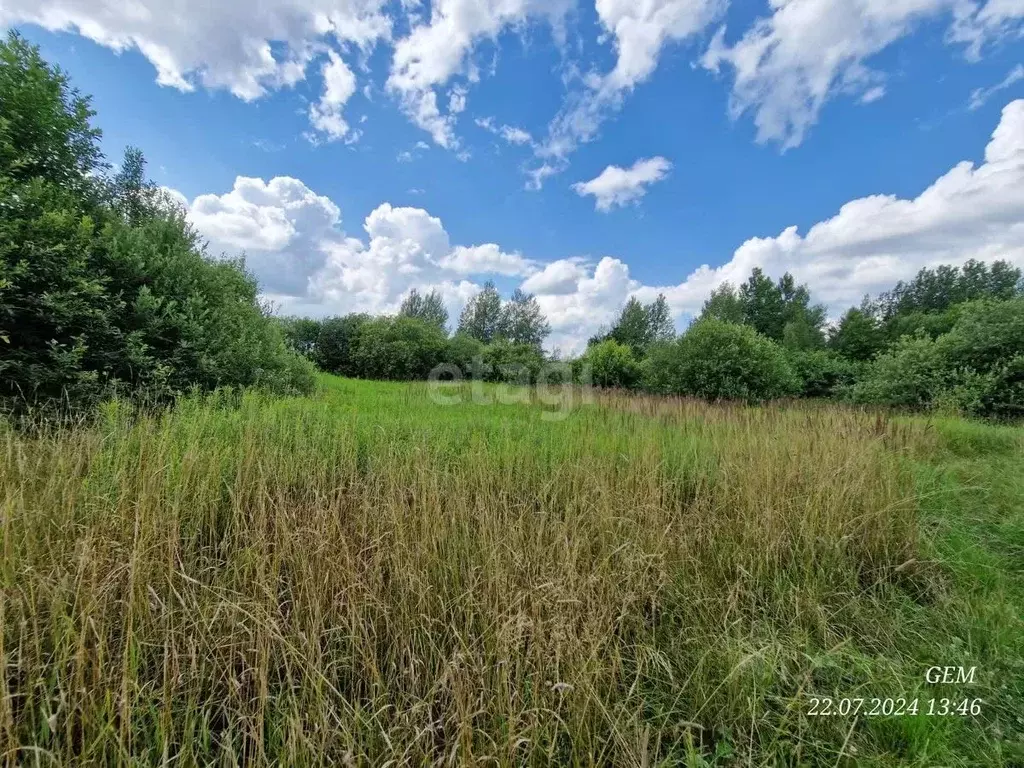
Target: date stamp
[(826, 706), (903, 706)]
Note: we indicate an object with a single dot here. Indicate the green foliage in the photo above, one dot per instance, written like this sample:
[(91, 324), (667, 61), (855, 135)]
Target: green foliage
[(522, 322), (718, 360), (821, 372), (511, 362), (780, 311), (725, 304), (977, 367), (936, 290), (429, 308), (300, 333), (398, 348), (912, 373), (639, 326), (45, 133), (333, 351), (466, 353), (104, 287), (609, 364), (481, 317), (858, 336)]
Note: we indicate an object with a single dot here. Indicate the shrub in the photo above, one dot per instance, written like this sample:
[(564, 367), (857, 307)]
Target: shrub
[(334, 344), (977, 367), (466, 353), (610, 364), (511, 362), (104, 286), (719, 360), (822, 373), (911, 374), (401, 348)]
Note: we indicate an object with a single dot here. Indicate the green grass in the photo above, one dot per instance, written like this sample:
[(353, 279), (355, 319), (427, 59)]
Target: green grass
[(368, 577)]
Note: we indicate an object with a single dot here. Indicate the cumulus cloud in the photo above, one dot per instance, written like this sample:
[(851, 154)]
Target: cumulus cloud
[(972, 211), (293, 242), (616, 186), (282, 226), (217, 45), (787, 66), (304, 260)]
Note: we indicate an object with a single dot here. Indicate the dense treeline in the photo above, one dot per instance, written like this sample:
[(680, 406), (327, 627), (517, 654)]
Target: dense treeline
[(104, 287), (953, 337)]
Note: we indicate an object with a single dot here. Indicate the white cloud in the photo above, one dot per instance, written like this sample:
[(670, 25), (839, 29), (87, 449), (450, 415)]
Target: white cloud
[(305, 262), (642, 29), (486, 259), (980, 95), (282, 226), (616, 186), (339, 85), (509, 133), (787, 66), (432, 53), (213, 44), (640, 32), (871, 243), (457, 100), (293, 242)]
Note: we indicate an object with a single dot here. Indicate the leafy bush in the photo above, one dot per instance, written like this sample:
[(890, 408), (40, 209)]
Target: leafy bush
[(822, 373), (104, 287), (401, 348), (977, 367), (466, 353), (609, 364), (511, 362), (719, 360), (335, 343)]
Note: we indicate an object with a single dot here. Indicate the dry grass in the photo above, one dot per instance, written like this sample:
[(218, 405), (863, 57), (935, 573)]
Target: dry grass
[(370, 578)]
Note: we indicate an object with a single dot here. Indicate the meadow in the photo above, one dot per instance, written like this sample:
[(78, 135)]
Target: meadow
[(370, 577)]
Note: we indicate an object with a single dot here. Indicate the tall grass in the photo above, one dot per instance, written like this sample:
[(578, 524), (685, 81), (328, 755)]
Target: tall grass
[(369, 578)]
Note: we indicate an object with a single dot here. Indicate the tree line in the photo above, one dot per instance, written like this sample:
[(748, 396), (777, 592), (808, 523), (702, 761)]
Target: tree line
[(106, 289), (104, 286)]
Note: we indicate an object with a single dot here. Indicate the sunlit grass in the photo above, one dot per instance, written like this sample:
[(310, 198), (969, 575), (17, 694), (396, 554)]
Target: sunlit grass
[(369, 576)]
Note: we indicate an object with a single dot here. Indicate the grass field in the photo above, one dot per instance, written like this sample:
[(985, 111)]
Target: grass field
[(368, 577)]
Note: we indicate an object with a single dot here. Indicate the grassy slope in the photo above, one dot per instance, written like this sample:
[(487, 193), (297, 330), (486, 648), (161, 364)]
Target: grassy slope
[(369, 575)]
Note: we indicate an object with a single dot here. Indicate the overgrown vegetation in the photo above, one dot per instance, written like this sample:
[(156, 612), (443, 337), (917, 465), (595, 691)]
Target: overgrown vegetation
[(104, 287), (365, 576)]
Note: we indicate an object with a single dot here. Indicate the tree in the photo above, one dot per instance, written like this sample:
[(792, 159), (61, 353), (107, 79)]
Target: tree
[(333, 350), (504, 360), (938, 289), (399, 348), (98, 296), (718, 360), (610, 364), (659, 321), (300, 333), (638, 325), (429, 308), (858, 336), (723, 304), (45, 133), (522, 321), (481, 317)]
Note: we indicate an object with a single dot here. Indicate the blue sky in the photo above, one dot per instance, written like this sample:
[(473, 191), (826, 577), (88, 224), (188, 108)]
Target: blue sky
[(682, 139)]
